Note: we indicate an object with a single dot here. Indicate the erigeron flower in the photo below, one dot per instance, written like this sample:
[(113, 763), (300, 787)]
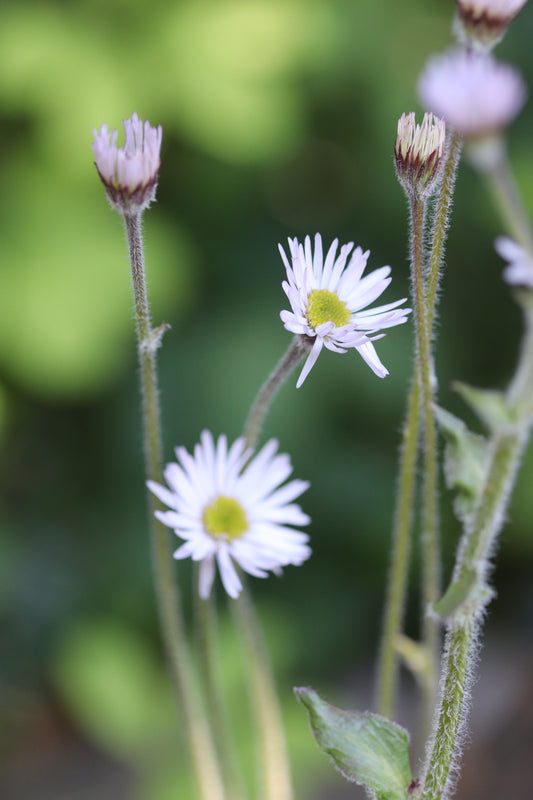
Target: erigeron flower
[(519, 270), (418, 152), (476, 95), (232, 507), (327, 300), (129, 173), (482, 23)]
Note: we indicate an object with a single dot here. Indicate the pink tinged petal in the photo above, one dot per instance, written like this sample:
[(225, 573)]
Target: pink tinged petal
[(335, 348), (166, 497), (355, 268), (508, 249), (230, 579), (370, 312), (328, 265), (318, 257), (206, 576), (289, 492), (185, 551), (168, 518), (310, 362), (369, 289), (368, 353), (289, 514), (330, 282), (284, 258)]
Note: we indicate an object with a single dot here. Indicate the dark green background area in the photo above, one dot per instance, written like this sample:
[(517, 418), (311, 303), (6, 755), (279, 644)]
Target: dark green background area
[(279, 118)]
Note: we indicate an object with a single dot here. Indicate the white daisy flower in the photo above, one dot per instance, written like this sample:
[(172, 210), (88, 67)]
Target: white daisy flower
[(519, 270), (231, 507), (476, 95), (327, 300), (129, 173)]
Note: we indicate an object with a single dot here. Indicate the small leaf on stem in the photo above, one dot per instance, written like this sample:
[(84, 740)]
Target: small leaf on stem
[(365, 748)]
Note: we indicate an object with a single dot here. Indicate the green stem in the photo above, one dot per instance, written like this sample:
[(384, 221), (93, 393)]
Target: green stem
[(462, 635), (220, 727), (430, 536), (507, 199), (397, 583), (440, 226), (274, 778), (168, 601), (297, 349)]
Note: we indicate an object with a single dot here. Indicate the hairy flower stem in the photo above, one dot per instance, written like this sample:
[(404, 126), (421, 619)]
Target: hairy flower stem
[(397, 583), (462, 628), (403, 520), (297, 350), (206, 614), (274, 778), (430, 527), (440, 226), (178, 657)]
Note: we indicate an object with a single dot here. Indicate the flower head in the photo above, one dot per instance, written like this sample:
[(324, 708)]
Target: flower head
[(327, 300), (418, 151), (519, 270), (230, 507), (129, 173), (483, 22), (476, 95)]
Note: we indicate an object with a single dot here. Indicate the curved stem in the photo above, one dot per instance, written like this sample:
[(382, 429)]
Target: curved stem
[(252, 429), (274, 777), (178, 657)]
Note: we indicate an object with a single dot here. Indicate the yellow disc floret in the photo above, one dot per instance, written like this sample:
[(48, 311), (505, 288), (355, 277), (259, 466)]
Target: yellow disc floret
[(225, 518), (324, 306)]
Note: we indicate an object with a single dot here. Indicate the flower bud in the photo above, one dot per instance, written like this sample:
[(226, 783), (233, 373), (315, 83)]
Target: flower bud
[(129, 174), (481, 24), (418, 151)]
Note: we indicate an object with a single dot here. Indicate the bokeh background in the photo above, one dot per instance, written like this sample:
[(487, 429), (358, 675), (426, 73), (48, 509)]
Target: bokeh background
[(279, 118)]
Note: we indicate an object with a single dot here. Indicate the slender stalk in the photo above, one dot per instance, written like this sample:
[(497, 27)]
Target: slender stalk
[(440, 226), (274, 777), (430, 543), (178, 657), (474, 553), (252, 429), (220, 727), (507, 199), (462, 634), (397, 583)]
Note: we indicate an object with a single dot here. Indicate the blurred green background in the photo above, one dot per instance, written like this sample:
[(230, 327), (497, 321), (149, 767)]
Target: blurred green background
[(279, 118)]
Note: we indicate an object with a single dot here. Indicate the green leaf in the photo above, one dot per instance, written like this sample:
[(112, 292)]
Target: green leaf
[(465, 460), (366, 748), (488, 404)]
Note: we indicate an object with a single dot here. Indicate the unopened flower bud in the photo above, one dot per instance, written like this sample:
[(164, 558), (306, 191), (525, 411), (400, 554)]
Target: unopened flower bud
[(129, 173), (418, 151), (481, 24)]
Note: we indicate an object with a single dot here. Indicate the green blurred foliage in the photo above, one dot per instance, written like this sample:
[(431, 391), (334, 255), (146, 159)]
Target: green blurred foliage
[(279, 118)]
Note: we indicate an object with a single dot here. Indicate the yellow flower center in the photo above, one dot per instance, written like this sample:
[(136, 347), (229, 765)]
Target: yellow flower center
[(324, 306), (225, 518)]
